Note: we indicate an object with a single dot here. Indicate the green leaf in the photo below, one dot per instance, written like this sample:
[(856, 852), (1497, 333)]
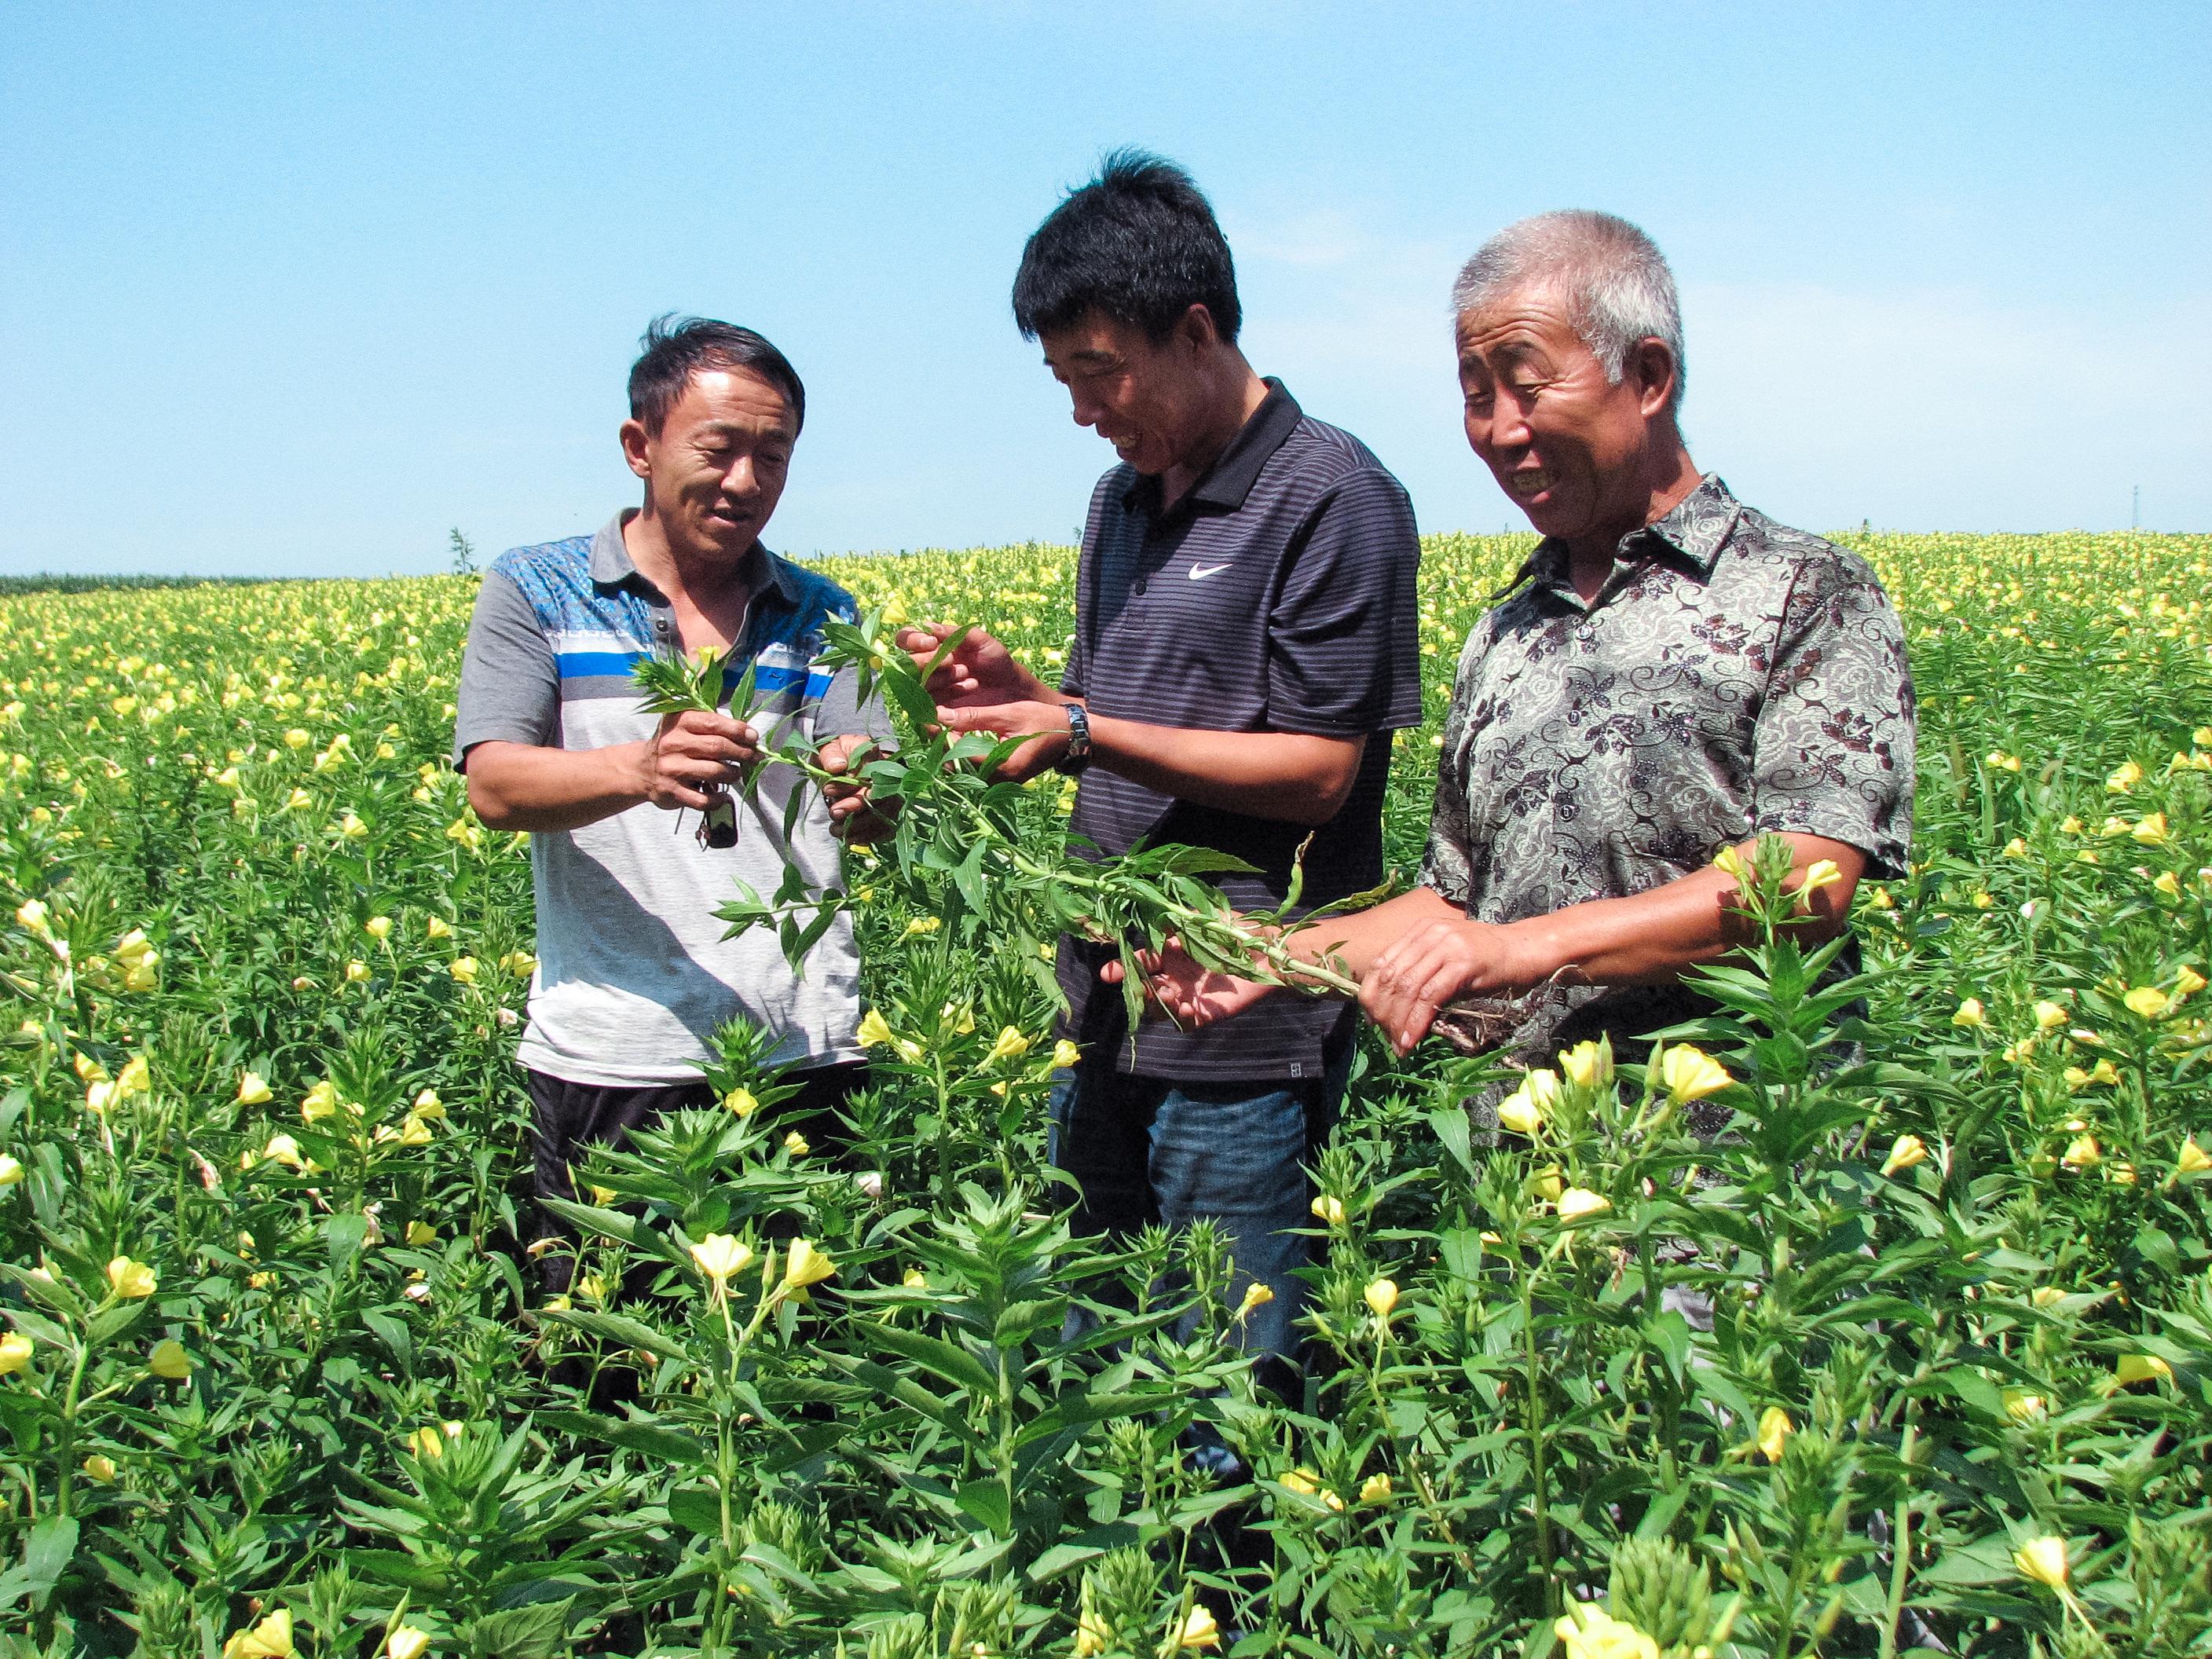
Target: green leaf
[(670, 1445), (47, 1552), (621, 1330)]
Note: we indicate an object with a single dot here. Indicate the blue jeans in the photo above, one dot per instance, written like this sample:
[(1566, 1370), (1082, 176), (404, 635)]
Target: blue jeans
[(1145, 1149)]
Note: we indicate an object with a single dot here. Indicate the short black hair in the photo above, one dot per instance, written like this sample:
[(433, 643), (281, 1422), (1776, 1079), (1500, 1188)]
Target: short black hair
[(675, 348), (1138, 244)]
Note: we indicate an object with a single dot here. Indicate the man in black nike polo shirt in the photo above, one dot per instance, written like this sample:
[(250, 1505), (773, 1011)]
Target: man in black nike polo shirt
[(1245, 647)]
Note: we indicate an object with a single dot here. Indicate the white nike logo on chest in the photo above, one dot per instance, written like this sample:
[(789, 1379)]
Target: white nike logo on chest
[(1198, 572)]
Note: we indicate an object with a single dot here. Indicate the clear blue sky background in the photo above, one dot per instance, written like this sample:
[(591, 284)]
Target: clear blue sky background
[(292, 290)]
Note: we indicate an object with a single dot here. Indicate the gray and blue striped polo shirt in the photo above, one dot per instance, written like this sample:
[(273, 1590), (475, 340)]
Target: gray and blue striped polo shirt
[(633, 972), (1277, 595)]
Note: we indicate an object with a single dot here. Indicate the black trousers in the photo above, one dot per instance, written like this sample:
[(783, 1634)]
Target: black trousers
[(567, 1117)]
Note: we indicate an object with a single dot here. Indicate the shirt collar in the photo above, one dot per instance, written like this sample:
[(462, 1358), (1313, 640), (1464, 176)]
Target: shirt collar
[(1694, 530), (611, 565), (1227, 483)]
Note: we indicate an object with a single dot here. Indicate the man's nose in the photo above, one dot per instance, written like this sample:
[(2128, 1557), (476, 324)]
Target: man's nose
[(740, 479), (1501, 430), (1087, 409)]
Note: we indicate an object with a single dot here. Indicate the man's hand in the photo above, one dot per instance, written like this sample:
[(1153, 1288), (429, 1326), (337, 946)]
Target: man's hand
[(979, 670), (691, 750), (1044, 722), (855, 818), (1188, 994), (1432, 963)]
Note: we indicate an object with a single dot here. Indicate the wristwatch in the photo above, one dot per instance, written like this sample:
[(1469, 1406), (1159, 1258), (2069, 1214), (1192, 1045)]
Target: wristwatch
[(1078, 740)]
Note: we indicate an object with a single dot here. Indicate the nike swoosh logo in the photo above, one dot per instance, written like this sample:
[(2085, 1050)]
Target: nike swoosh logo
[(1198, 572)]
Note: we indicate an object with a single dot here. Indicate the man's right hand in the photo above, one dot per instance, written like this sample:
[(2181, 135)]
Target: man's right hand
[(692, 749), (1188, 994), (978, 671)]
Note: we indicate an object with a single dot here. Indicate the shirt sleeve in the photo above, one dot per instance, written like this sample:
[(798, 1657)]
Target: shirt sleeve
[(1343, 637), (1447, 864), (510, 690), (1832, 751), (841, 713)]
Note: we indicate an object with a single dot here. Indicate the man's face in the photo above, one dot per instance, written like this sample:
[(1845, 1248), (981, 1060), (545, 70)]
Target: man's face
[(1561, 442), (1147, 399), (715, 470)]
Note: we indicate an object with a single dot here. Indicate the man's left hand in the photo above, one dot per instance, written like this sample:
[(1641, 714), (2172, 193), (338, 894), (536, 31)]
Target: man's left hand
[(855, 818), (1437, 961)]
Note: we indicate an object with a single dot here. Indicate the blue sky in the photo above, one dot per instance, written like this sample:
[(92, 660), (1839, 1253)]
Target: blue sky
[(292, 290)]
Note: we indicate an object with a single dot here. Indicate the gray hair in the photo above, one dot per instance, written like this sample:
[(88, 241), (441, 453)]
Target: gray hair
[(1613, 277)]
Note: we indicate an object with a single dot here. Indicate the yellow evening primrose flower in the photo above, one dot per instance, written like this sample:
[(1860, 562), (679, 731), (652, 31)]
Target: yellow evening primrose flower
[(805, 1265), (320, 1101), (2049, 1016), (136, 1078), (721, 1256), (355, 971), (2148, 1002), (1199, 1630), (1588, 1064), (2188, 982), (2015, 848), (2043, 1559), (295, 738), (1729, 863), (1775, 1429), (1328, 1211), (914, 1280), (282, 1149), (1821, 872), (169, 1360), (253, 1089), (2192, 1159), (420, 1233), (1011, 1044), (2151, 830), (2133, 1368), (1909, 1151), (377, 928), (922, 925), (2045, 1296), (1375, 1489), (438, 928), (15, 1350), (1970, 1013), (1381, 1297), (520, 963), (2023, 1406), (1301, 1481), (1587, 1631), (1256, 1296), (1577, 1202), (2082, 1153), (131, 1280), (1690, 1073), (1518, 1113), (2124, 777), (795, 1144), (741, 1102), (875, 1031), (100, 1467), (1065, 1054), (11, 1168), (462, 968), (406, 1641), (428, 1105)]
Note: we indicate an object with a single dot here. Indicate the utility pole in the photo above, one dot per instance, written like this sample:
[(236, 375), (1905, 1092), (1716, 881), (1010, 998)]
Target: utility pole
[(2135, 513)]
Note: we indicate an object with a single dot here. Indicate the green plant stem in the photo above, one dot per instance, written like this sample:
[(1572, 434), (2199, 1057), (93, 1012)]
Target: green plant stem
[(1538, 1485)]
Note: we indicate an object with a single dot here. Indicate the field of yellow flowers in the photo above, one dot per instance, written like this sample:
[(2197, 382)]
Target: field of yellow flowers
[(276, 1377)]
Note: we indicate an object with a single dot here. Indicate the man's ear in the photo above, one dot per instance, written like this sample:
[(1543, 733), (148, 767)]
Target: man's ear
[(1654, 366), (633, 447), (1196, 329)]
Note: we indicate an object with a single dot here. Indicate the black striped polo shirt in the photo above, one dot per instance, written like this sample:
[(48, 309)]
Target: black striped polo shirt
[(1277, 595)]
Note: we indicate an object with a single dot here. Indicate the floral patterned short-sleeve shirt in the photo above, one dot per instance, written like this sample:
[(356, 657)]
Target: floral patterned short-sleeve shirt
[(1732, 677)]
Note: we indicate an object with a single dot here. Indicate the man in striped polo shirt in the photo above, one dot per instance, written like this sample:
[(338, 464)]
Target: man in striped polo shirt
[(1245, 647), (633, 974)]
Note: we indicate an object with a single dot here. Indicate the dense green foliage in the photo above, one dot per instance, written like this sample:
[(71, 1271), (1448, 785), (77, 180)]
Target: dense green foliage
[(278, 1379)]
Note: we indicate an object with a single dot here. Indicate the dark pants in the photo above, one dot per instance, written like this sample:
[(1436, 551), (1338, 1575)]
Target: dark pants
[(571, 1116), (1146, 1150)]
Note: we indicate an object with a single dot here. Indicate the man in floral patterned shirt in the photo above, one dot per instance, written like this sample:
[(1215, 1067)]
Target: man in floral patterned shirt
[(1673, 674)]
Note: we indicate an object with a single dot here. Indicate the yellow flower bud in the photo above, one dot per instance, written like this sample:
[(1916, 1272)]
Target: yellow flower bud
[(1328, 1211), (1065, 1054), (1576, 1203), (805, 1265), (1381, 1297), (131, 1280), (1376, 1489), (1775, 1429), (1689, 1074), (15, 1351), (1970, 1013), (253, 1089), (169, 1360), (1909, 1151), (2148, 1002), (100, 1468)]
